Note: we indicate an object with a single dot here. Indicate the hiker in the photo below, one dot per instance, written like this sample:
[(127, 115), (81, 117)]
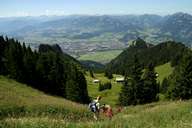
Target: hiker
[(107, 111), (95, 106)]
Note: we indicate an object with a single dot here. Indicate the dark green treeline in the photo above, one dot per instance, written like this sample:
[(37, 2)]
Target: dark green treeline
[(49, 69)]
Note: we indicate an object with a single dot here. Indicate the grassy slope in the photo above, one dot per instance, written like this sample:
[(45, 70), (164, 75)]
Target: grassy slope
[(102, 57), (111, 96), (27, 107), (164, 71), (20, 100), (155, 115)]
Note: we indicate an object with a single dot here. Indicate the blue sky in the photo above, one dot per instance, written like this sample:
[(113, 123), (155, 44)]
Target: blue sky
[(92, 7)]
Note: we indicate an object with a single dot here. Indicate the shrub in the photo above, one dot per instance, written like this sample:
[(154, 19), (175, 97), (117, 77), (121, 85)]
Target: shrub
[(105, 86)]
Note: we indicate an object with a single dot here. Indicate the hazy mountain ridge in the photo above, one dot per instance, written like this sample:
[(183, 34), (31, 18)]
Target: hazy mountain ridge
[(82, 34)]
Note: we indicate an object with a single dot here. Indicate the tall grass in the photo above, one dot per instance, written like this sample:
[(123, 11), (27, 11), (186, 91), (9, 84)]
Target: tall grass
[(155, 115), (19, 100)]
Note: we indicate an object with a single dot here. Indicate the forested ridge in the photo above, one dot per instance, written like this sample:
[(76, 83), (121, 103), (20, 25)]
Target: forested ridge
[(162, 53), (137, 64), (48, 69)]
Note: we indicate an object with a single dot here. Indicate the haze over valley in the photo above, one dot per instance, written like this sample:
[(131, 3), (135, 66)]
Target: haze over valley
[(81, 34)]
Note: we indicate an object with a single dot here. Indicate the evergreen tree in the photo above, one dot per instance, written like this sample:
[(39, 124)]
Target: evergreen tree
[(29, 63), (72, 91), (60, 75), (108, 74), (82, 83), (128, 94), (164, 86), (49, 70), (181, 82), (14, 58), (91, 73), (150, 86), (51, 75), (2, 47), (109, 85), (100, 88), (42, 69), (76, 87), (131, 92), (136, 73)]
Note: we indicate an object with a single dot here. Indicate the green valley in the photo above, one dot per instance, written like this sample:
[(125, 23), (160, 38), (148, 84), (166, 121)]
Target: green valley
[(101, 56), (111, 96)]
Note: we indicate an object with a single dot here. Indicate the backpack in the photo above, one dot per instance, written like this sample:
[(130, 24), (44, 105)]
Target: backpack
[(93, 106)]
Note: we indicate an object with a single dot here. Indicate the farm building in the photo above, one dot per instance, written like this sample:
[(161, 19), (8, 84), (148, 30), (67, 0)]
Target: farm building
[(120, 79), (96, 81)]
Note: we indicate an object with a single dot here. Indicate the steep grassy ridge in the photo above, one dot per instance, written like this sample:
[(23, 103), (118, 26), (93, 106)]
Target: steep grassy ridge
[(19, 100)]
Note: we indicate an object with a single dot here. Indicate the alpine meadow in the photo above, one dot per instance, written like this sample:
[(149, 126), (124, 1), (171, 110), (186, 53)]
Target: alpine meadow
[(96, 64)]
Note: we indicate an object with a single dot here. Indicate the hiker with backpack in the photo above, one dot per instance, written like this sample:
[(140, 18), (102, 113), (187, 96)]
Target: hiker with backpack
[(95, 106)]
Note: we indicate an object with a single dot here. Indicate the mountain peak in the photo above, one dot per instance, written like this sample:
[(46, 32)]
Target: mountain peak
[(181, 15), (139, 43)]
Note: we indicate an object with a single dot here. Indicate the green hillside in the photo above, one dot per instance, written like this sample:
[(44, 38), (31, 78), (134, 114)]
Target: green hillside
[(19, 100), (164, 71), (162, 53), (111, 96), (21, 107), (48, 69)]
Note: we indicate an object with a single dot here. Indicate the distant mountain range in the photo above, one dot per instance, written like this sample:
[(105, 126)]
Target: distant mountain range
[(82, 34)]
